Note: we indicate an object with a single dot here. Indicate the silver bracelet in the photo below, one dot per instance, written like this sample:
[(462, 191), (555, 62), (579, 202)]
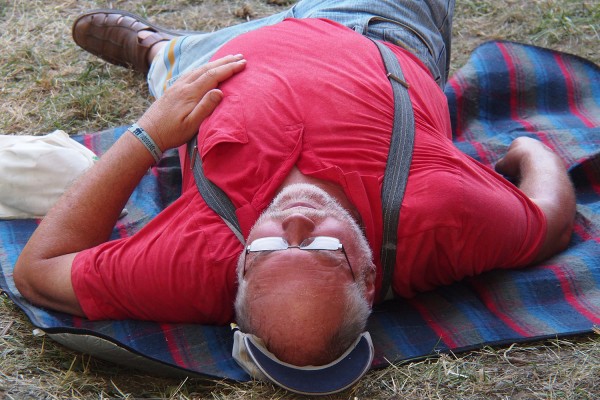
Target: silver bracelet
[(146, 140)]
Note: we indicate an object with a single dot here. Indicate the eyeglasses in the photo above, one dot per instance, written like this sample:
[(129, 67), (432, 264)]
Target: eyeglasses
[(311, 243)]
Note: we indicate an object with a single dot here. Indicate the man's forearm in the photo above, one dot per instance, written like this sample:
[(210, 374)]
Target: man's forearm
[(544, 179), (82, 218), (86, 215)]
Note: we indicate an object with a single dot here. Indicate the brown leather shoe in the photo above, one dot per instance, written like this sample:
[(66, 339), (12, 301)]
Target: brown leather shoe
[(113, 36)]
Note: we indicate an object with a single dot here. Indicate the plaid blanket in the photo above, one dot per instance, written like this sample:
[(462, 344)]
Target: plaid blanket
[(504, 91)]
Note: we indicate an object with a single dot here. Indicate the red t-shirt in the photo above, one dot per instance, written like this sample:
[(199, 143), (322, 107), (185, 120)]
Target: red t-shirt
[(315, 95)]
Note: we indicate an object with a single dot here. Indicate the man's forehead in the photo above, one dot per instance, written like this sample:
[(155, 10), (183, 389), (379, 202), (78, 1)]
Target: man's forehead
[(296, 288)]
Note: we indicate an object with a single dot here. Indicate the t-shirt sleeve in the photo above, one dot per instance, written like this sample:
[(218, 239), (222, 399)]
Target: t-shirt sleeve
[(502, 227), (178, 268), (462, 219)]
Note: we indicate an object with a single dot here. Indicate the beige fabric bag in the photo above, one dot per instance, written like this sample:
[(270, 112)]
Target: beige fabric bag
[(36, 170)]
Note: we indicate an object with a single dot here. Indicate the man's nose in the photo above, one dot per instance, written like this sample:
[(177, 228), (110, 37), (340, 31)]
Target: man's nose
[(297, 227)]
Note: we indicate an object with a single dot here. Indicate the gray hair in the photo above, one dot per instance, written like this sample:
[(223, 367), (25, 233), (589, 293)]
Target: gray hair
[(356, 314)]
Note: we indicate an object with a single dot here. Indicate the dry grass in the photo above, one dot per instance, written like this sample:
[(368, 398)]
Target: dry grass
[(47, 83)]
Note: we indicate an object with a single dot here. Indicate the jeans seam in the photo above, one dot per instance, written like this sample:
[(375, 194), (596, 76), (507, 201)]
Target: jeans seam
[(406, 26)]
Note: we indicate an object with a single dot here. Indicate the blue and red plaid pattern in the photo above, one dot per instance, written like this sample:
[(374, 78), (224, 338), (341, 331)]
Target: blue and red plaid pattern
[(506, 90)]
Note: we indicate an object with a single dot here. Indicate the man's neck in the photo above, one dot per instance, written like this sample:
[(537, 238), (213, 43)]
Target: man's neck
[(333, 189)]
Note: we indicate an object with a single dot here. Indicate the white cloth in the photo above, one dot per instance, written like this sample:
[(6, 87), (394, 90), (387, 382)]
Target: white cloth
[(36, 170)]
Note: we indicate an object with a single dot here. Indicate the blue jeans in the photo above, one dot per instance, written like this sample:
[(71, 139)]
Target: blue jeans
[(421, 26)]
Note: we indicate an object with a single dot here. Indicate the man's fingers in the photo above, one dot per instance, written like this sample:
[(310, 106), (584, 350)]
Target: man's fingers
[(200, 83), (197, 73), (502, 167), (205, 107), (213, 76), (223, 61), (509, 165), (521, 149)]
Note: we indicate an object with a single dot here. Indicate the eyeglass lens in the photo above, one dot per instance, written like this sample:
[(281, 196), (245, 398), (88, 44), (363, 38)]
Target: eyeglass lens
[(312, 243), (279, 243)]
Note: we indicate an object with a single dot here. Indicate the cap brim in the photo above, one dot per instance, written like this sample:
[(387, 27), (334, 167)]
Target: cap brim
[(327, 379)]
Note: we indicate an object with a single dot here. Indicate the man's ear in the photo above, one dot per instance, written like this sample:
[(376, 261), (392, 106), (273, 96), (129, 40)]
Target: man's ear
[(370, 284)]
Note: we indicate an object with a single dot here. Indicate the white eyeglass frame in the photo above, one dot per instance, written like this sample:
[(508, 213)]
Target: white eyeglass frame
[(276, 243)]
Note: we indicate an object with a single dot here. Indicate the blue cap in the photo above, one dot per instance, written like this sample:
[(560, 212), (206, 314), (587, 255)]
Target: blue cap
[(251, 354)]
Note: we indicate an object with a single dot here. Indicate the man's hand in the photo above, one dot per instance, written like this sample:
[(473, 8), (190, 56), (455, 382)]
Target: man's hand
[(85, 215), (541, 175), (174, 118), (521, 153)]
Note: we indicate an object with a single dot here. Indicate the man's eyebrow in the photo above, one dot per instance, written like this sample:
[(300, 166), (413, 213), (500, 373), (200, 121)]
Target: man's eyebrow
[(330, 254)]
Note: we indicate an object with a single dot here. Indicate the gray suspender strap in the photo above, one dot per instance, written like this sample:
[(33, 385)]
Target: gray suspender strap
[(214, 197), (394, 181), (397, 167)]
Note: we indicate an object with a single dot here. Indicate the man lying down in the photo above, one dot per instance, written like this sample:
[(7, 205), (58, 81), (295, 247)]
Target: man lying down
[(293, 121)]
